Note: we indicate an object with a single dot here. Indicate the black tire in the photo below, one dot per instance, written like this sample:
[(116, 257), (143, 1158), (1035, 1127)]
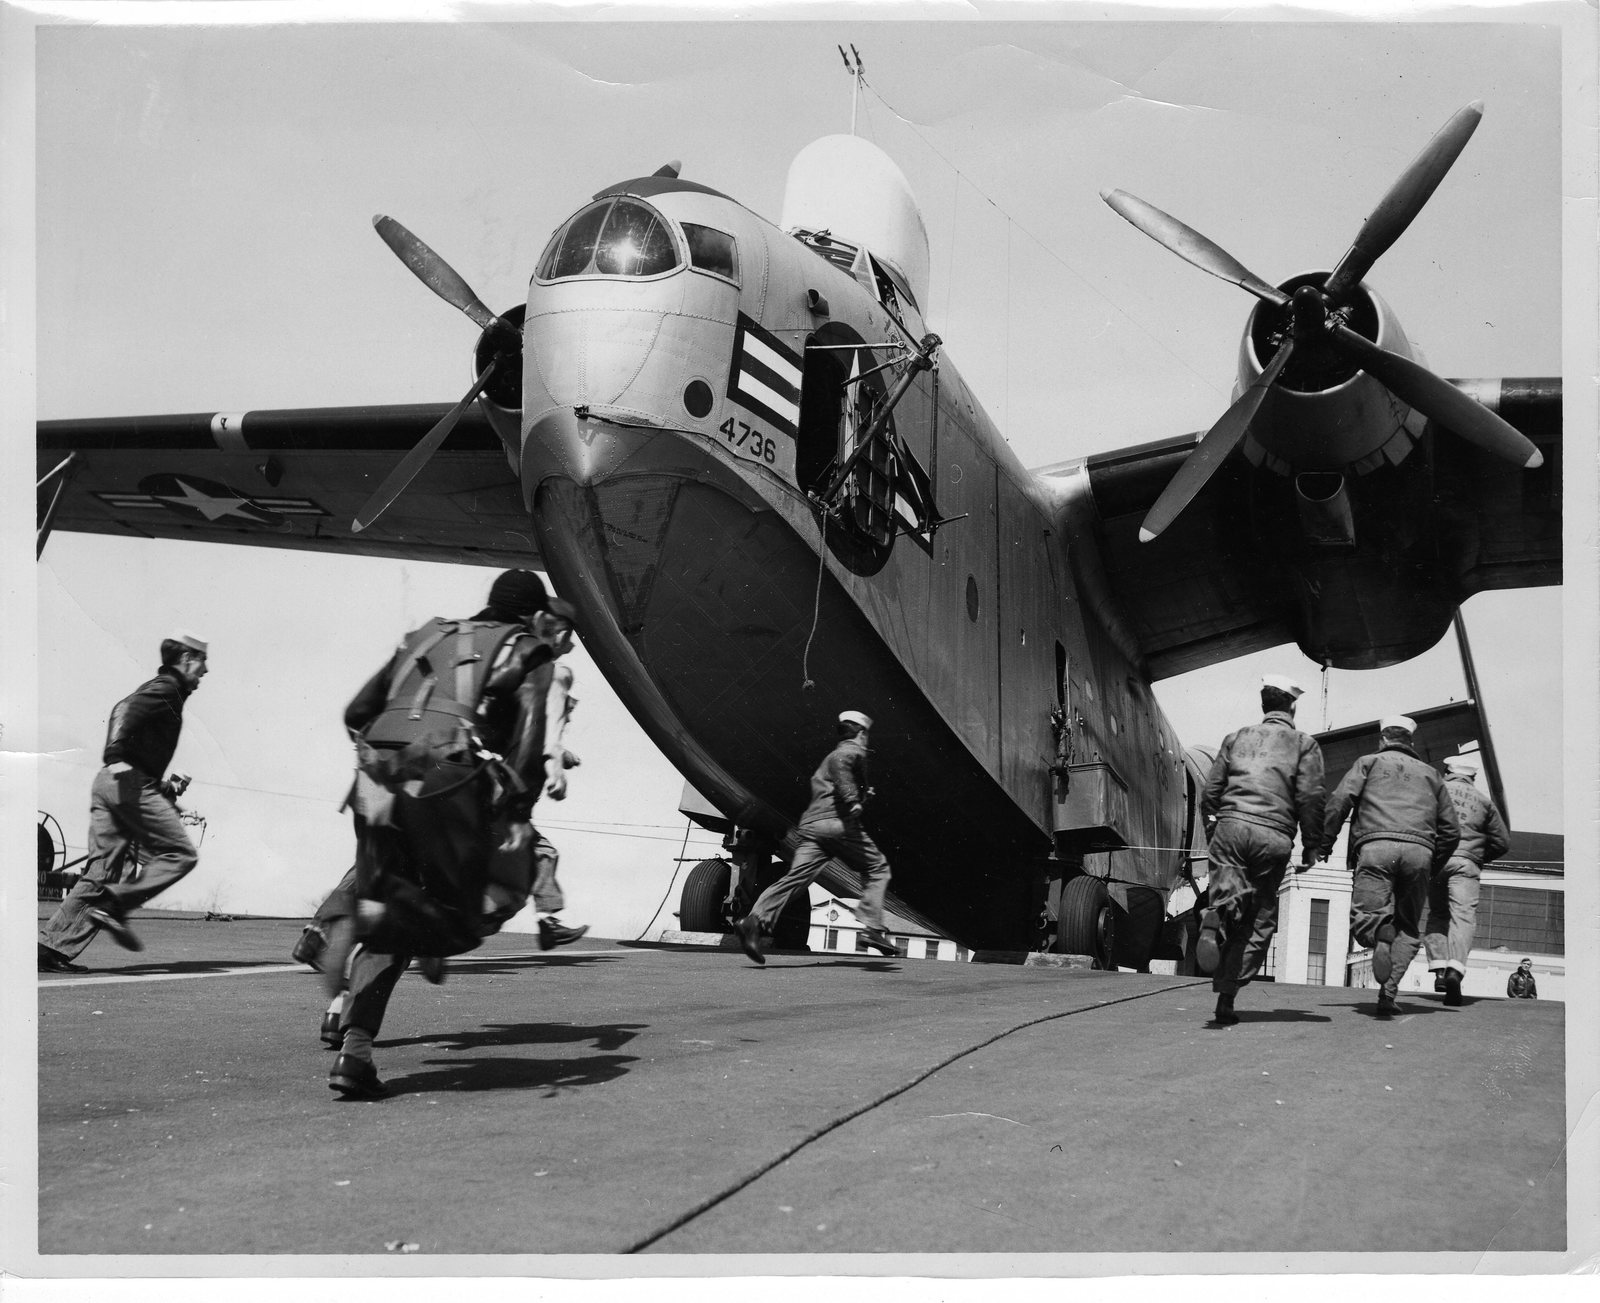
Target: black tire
[(704, 891), (793, 928), (1088, 923)]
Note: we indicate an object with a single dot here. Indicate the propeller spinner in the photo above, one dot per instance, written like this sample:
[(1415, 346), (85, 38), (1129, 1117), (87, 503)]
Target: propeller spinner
[(505, 340), (1317, 322)]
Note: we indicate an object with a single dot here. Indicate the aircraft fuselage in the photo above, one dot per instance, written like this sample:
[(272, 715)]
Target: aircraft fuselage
[(677, 430)]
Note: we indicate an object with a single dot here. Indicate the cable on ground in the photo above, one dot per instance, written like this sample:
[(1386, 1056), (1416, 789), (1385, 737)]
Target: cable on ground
[(706, 1205)]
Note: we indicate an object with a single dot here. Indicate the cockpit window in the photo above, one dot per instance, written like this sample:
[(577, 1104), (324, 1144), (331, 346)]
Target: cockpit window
[(615, 237), (712, 250)]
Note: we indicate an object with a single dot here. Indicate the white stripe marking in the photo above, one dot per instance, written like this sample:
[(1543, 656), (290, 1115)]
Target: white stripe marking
[(763, 352), (784, 407), (67, 979)]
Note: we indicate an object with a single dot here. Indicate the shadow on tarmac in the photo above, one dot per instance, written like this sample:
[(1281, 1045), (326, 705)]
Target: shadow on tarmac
[(1278, 1015), (181, 966), (501, 965), (1369, 1009), (606, 1036), (553, 1076)]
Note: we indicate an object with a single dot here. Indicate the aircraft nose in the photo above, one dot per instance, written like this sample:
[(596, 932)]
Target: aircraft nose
[(568, 441)]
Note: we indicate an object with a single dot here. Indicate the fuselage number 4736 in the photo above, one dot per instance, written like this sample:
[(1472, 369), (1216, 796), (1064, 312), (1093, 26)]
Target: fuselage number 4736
[(749, 442)]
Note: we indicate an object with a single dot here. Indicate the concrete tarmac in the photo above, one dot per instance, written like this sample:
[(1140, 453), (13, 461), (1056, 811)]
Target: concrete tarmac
[(614, 1098)]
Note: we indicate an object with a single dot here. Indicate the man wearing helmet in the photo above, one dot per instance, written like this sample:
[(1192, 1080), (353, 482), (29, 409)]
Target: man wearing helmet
[(450, 738)]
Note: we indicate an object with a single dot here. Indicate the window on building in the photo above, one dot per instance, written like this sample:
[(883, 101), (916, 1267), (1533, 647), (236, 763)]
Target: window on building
[(1522, 918), (861, 944), (831, 941), (902, 946), (961, 954), (932, 950), (1317, 948)]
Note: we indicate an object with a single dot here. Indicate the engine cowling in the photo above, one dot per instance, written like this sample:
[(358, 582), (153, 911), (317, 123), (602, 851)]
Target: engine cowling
[(501, 399), (1324, 413)]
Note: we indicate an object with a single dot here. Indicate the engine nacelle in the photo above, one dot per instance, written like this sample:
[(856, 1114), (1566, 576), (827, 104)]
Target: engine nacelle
[(501, 399), (1324, 413)]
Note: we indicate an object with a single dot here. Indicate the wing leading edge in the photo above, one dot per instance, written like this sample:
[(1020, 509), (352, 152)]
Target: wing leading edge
[(290, 478)]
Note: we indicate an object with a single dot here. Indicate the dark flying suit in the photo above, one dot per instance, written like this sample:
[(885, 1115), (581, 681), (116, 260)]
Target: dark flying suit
[(430, 865), (1402, 827), (1453, 891), (1521, 986), (129, 803), (1266, 779), (831, 828)]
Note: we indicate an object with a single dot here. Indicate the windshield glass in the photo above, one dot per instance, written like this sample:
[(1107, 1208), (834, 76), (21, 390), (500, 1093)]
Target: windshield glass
[(615, 237)]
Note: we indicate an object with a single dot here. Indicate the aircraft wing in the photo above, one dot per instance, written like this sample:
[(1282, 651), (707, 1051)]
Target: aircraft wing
[(291, 478), (1229, 576)]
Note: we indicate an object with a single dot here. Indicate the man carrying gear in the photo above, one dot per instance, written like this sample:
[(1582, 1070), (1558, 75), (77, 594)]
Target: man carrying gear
[(1402, 829), (831, 828), (1266, 779), (1453, 890), (450, 758), (129, 802)]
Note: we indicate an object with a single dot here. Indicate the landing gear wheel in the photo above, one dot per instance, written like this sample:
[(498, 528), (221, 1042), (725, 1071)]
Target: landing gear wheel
[(704, 891), (1088, 922)]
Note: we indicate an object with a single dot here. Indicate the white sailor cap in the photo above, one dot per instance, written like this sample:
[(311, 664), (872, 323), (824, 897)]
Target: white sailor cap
[(1283, 683), (854, 717), (1404, 722), (1462, 764), (191, 642)]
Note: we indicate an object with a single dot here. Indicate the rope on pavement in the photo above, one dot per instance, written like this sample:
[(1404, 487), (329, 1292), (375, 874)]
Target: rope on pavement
[(706, 1205)]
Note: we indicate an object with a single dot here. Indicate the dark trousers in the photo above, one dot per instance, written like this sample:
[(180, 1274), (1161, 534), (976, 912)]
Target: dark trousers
[(428, 865), (1248, 862)]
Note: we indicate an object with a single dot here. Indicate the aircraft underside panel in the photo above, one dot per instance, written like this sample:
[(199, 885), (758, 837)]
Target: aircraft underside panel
[(709, 605)]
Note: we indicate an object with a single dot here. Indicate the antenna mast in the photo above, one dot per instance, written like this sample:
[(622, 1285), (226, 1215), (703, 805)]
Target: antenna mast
[(858, 74)]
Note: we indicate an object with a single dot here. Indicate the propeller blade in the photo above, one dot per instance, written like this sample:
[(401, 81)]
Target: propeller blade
[(432, 270), (417, 458), (1397, 209), (1190, 245), (1213, 450), (1438, 400)]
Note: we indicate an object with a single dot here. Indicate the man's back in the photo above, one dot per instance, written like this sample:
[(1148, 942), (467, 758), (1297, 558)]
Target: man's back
[(1484, 837), (1397, 796), (1268, 773)]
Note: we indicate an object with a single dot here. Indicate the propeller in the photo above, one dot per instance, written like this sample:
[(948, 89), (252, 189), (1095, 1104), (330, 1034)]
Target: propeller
[(1213, 449), (1316, 322), (1396, 211), (505, 339), (394, 484)]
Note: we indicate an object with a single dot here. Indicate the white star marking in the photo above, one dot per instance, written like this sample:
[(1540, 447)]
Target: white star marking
[(209, 507)]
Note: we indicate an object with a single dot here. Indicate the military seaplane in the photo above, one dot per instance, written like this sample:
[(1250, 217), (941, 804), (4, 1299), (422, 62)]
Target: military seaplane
[(739, 448)]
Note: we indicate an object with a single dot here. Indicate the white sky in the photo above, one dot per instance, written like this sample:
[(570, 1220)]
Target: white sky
[(203, 201)]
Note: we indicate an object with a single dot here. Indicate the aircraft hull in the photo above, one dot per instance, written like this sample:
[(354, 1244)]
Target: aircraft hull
[(702, 606)]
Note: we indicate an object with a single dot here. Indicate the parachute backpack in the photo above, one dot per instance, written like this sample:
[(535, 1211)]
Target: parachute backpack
[(432, 707)]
